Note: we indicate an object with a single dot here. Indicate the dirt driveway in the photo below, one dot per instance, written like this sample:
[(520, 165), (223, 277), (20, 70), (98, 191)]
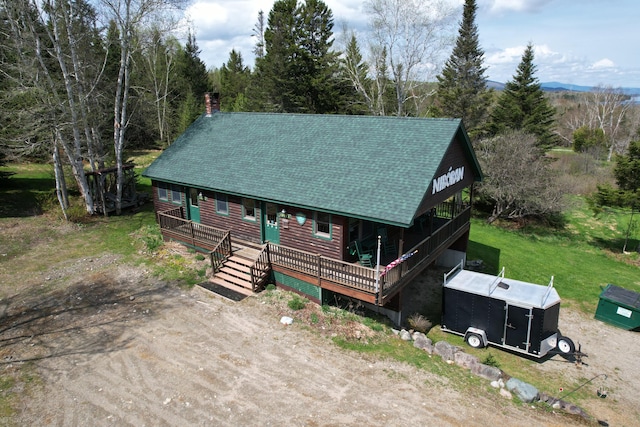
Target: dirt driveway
[(119, 348)]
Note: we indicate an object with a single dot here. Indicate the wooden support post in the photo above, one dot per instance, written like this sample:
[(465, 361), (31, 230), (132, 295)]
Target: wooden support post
[(253, 279), (268, 255)]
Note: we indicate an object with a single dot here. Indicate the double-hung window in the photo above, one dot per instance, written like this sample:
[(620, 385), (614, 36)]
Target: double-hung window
[(322, 225), (176, 195), (163, 193), (222, 204)]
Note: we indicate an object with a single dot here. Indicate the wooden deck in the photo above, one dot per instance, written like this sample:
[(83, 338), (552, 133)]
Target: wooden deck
[(373, 285)]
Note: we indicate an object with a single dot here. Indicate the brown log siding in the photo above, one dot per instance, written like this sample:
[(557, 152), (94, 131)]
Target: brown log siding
[(301, 236), (165, 205), (240, 228), (295, 236)]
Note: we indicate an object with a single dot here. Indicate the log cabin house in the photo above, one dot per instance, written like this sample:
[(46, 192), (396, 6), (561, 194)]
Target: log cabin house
[(325, 205)]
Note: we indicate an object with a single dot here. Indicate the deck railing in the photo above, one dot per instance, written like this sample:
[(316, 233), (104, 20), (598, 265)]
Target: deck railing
[(322, 268), (174, 225), (425, 249)]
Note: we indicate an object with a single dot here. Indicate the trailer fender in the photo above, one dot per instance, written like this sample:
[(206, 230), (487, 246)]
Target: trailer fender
[(476, 338)]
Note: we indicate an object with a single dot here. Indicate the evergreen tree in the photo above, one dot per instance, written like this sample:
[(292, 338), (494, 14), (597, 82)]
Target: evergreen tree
[(354, 71), (586, 139), (193, 83), (627, 170), (627, 195), (271, 91), (523, 105), (234, 81), (319, 63), (369, 83), (462, 89), (258, 33), (298, 71)]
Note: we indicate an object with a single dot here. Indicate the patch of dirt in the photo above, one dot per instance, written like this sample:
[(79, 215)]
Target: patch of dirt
[(117, 347)]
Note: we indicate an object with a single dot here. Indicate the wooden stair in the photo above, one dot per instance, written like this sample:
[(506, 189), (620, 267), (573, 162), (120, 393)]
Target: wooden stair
[(235, 273)]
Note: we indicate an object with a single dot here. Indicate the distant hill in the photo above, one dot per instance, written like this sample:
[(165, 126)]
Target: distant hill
[(560, 87)]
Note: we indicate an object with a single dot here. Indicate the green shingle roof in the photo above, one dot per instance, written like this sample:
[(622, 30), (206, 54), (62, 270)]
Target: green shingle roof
[(375, 168)]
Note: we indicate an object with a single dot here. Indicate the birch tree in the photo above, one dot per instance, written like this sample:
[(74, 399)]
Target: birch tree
[(129, 16), (159, 57), (607, 109), (414, 35), (57, 42)]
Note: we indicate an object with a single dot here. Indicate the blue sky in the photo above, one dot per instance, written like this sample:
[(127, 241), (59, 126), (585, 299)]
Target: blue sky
[(582, 42)]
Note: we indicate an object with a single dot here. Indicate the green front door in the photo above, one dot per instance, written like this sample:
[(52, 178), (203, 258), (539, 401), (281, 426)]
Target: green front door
[(193, 205), (270, 230)]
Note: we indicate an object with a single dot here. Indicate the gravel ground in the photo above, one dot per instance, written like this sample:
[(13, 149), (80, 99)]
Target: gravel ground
[(116, 347)]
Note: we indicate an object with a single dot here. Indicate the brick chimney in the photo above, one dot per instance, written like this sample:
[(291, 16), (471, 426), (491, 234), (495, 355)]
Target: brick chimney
[(212, 103)]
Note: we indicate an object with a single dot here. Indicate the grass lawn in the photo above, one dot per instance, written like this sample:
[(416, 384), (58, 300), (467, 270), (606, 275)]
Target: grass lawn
[(583, 258)]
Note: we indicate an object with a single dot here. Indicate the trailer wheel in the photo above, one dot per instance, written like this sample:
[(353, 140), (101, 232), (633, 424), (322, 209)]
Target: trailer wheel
[(565, 345), (474, 340)]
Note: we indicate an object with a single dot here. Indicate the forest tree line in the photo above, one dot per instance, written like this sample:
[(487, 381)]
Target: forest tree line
[(83, 81)]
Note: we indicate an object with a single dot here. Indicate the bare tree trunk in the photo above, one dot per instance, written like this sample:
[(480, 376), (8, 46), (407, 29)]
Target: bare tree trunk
[(608, 107), (120, 116), (128, 14), (76, 157), (61, 184), (40, 33)]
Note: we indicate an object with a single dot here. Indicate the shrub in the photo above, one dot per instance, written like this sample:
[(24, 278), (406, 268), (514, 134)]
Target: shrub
[(419, 323), (297, 303), (491, 361), (151, 237)]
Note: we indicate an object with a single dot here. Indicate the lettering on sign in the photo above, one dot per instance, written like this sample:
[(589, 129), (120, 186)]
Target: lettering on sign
[(453, 176)]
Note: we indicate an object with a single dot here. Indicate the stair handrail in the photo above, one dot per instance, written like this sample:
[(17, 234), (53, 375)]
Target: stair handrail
[(262, 265), (220, 252)]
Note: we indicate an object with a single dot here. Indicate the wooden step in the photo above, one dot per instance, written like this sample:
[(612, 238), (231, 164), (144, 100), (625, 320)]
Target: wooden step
[(239, 289), (248, 253), (233, 279), (241, 260), (241, 268)]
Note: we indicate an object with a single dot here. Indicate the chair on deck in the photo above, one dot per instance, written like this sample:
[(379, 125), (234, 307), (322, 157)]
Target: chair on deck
[(365, 259), (388, 247)]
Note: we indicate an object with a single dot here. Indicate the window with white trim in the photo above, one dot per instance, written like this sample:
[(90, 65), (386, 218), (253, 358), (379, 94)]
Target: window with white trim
[(163, 193), (222, 204), (249, 209), (322, 224)]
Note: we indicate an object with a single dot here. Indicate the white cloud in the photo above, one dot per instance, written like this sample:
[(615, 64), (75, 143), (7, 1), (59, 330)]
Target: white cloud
[(603, 63), (505, 56), (501, 6)]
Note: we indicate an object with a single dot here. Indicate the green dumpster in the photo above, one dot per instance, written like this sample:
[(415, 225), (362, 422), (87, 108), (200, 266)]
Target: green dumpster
[(619, 307)]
